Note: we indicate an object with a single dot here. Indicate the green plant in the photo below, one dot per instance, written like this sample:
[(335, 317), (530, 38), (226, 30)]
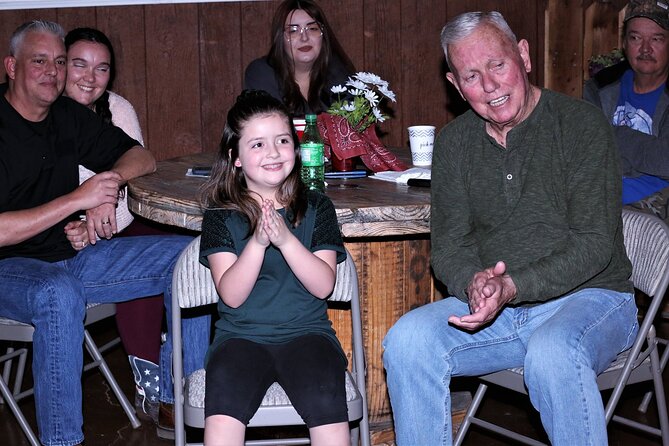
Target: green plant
[(600, 61)]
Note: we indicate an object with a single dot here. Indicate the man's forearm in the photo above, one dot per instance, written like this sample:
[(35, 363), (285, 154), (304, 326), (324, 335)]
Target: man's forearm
[(19, 226), (134, 163)]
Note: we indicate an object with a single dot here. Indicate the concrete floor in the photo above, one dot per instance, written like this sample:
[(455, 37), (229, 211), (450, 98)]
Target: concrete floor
[(105, 423)]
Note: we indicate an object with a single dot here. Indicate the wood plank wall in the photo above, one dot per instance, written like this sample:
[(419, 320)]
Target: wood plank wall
[(574, 31), (181, 65)]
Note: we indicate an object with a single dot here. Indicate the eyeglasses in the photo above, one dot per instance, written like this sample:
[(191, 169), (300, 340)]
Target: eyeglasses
[(312, 30)]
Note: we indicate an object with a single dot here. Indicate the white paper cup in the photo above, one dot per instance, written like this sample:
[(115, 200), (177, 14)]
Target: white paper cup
[(421, 140)]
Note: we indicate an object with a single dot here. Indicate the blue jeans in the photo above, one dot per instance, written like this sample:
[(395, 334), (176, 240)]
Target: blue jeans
[(563, 344), (53, 298)]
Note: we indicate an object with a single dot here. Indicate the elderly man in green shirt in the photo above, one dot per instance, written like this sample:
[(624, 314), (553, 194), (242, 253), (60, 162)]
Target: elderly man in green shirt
[(527, 236)]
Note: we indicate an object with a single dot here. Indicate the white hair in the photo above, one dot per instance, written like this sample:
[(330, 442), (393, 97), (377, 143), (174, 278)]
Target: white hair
[(40, 26), (465, 24)]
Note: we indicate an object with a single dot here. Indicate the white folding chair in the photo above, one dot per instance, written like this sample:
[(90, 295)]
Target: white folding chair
[(647, 245), (11, 330), (192, 286)]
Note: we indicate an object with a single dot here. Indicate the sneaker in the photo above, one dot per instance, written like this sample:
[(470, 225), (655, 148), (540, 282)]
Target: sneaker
[(147, 387), (165, 427)]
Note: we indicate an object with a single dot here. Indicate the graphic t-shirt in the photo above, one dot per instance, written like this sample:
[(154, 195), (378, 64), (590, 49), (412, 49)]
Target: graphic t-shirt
[(636, 111)]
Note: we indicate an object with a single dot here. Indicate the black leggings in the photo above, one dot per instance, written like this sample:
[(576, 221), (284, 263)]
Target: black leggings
[(310, 369)]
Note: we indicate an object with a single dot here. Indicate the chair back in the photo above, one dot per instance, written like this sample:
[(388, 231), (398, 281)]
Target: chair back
[(192, 285), (647, 245)]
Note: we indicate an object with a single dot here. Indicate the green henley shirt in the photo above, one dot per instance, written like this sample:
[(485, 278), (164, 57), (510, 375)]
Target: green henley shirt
[(548, 204)]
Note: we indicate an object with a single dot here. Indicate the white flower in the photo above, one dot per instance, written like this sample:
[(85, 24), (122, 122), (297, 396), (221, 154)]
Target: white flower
[(370, 78), (357, 92), (372, 98), (359, 85), (383, 89), (378, 115), (349, 107), (338, 89)]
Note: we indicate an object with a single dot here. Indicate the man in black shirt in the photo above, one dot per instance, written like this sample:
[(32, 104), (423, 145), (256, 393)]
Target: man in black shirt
[(51, 263)]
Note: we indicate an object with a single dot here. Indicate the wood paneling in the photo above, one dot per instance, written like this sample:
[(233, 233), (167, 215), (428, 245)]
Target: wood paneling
[(172, 66), (182, 66), (421, 63), (564, 47), (125, 28), (221, 70)]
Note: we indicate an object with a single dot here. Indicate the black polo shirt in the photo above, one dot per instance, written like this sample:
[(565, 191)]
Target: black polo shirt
[(39, 162)]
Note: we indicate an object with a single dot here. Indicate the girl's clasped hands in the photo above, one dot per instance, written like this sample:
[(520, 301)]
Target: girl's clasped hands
[(272, 227)]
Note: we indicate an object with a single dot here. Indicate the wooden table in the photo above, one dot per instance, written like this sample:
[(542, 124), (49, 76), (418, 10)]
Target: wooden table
[(385, 227)]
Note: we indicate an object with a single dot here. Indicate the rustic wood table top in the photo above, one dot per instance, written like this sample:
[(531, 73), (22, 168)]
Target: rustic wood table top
[(365, 207)]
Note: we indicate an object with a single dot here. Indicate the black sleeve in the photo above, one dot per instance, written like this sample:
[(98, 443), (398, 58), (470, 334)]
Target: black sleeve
[(326, 233), (99, 144), (216, 236)]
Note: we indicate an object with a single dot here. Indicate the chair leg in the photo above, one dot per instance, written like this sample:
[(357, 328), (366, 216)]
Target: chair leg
[(9, 399), (7, 369), (364, 428), (355, 434), (104, 368), (643, 407), (8, 359), (660, 396), (467, 421), (20, 371)]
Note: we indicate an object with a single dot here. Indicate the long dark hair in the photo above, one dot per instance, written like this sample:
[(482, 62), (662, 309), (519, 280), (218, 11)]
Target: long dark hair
[(227, 188), (284, 66), (101, 105)]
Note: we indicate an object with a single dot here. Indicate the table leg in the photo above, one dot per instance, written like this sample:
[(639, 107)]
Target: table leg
[(394, 277)]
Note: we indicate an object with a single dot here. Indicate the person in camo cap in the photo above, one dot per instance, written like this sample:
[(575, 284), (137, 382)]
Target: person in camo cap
[(634, 97)]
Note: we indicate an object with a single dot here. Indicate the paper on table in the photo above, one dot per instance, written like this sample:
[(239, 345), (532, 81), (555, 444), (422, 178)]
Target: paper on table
[(403, 177)]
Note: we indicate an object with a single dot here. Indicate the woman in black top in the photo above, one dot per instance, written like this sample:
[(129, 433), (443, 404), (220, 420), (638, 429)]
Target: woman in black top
[(305, 59)]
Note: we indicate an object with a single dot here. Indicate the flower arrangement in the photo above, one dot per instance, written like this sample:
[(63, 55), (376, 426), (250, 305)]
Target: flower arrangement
[(601, 61), (360, 107)]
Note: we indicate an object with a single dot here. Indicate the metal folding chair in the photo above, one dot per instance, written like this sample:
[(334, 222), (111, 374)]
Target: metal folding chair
[(11, 330), (647, 245), (192, 286)]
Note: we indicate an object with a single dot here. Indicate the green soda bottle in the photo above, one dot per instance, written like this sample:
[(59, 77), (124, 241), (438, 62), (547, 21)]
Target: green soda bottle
[(311, 150)]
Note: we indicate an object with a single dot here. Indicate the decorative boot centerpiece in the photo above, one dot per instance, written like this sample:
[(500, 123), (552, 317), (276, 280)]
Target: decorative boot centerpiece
[(348, 128)]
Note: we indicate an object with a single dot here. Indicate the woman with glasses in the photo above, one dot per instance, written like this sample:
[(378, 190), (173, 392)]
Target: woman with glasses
[(304, 61)]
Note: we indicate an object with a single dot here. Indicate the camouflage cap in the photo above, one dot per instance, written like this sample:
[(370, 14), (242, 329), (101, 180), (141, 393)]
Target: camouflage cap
[(656, 10)]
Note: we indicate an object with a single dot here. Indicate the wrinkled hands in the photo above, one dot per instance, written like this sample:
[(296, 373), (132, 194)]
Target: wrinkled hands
[(99, 196), (488, 292)]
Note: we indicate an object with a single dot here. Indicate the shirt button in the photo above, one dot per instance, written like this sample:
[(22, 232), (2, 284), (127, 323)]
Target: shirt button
[(509, 176)]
